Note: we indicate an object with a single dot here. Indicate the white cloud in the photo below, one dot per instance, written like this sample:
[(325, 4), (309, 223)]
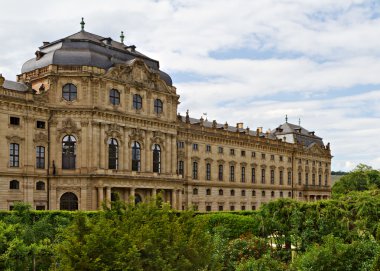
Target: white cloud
[(317, 50)]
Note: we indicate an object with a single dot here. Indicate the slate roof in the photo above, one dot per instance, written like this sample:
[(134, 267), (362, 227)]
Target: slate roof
[(208, 124), (87, 49), (15, 86), (300, 134)]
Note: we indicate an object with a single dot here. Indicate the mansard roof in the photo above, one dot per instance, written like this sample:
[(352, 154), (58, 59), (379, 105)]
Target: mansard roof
[(17, 86), (87, 49), (301, 135)]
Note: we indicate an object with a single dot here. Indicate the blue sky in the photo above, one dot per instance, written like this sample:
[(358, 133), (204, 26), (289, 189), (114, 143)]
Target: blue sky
[(239, 61)]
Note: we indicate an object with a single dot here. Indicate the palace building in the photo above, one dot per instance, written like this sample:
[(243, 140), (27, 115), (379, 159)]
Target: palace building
[(90, 118)]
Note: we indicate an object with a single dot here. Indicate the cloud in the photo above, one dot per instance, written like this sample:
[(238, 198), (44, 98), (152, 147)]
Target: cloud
[(314, 60)]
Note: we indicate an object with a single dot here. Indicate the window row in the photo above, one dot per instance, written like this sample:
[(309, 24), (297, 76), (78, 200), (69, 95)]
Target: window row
[(14, 156), (208, 192), (15, 185), (314, 181), (15, 121), (69, 93), (243, 173)]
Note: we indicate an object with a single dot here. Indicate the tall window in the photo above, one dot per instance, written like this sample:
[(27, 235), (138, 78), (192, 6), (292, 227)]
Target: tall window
[(319, 179), (299, 178), (289, 177), (68, 152), (208, 191), (220, 173), (326, 179), (307, 178), (158, 106), (313, 178), (14, 154), (40, 157), (137, 101), (281, 177), (232, 173), (263, 175), (113, 154), (253, 173), (180, 167), (136, 156), (220, 192), (208, 171), (69, 92), (232, 192), (195, 170), (243, 174), (195, 191), (156, 158), (272, 176), (114, 97)]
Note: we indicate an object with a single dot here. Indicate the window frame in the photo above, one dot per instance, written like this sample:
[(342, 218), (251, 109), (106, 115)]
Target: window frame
[(158, 106), (113, 148), (114, 97), (137, 101), (40, 157), (136, 156), (14, 155), (71, 94)]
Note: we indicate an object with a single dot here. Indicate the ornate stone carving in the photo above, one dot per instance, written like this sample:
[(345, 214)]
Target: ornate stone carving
[(113, 132), (136, 135), (69, 127), (14, 139), (40, 138)]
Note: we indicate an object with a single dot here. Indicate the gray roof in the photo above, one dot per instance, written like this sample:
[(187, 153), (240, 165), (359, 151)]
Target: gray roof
[(15, 86), (87, 49), (208, 124), (301, 135)]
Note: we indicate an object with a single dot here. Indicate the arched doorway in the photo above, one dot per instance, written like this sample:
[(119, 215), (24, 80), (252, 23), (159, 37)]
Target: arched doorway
[(138, 199), (69, 202)]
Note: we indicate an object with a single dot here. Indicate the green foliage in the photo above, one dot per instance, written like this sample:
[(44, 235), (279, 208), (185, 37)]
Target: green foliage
[(265, 263), (142, 237), (362, 178), (335, 255)]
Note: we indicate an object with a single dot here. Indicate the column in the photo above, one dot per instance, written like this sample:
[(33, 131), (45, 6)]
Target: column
[(174, 199), (180, 199), (168, 154), (108, 196), (154, 193), (132, 195), (102, 147), (53, 197), (100, 197)]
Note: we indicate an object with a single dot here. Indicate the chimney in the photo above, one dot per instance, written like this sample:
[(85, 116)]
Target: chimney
[(260, 129), (239, 125)]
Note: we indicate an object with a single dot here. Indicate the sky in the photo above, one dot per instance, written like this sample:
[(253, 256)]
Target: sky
[(316, 61)]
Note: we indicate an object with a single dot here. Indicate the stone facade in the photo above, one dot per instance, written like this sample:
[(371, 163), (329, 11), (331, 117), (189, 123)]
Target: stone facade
[(78, 133)]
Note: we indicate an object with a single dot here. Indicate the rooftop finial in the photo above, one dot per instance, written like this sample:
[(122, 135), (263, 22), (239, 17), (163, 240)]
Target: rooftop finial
[(122, 37), (82, 23), (286, 118)]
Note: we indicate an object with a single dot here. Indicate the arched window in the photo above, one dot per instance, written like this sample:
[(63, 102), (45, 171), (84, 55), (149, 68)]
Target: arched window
[(40, 185), (232, 192), (158, 106), (14, 155), (137, 101), (113, 153), (68, 201), (220, 192), (263, 193), (253, 193), (136, 156), (195, 191), (208, 191), (68, 152), (69, 92), (272, 194), (14, 184), (243, 193), (114, 97), (40, 157), (138, 199), (156, 158)]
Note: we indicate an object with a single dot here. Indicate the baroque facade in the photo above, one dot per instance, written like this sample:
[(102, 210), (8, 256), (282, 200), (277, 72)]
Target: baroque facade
[(90, 118)]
